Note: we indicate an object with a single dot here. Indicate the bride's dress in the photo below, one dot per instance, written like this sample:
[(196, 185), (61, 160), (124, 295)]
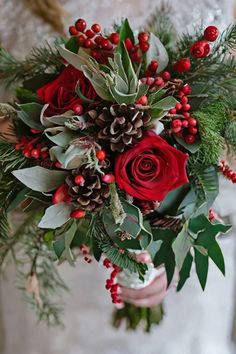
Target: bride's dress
[(195, 323)]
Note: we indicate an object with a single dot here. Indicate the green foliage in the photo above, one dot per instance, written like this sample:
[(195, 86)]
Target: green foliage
[(41, 59), (135, 317), (161, 25), (230, 136), (25, 96)]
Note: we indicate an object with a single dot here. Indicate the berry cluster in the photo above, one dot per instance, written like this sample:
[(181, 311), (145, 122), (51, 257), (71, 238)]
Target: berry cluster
[(110, 283), (227, 171), (183, 124), (101, 46), (199, 49), (61, 195), (32, 148), (85, 251), (136, 50)]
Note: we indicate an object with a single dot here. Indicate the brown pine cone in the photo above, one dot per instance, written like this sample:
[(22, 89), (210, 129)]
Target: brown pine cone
[(92, 194), (119, 125), (173, 87)]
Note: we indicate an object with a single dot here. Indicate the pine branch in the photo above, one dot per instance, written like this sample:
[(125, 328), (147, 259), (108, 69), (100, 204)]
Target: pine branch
[(40, 60), (161, 25), (230, 136)]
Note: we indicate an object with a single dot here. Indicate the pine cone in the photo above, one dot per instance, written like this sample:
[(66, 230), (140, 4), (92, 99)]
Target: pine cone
[(173, 87), (92, 195), (119, 125)]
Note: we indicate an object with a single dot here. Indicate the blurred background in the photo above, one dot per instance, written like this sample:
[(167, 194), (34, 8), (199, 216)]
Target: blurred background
[(196, 322)]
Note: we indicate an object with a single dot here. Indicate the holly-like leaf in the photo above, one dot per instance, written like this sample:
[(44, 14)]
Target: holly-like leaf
[(165, 103), (155, 96), (202, 265), (55, 216), (165, 255), (40, 179), (184, 274)]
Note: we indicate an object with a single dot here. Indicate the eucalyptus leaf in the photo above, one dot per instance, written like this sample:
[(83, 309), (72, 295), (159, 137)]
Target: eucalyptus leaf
[(40, 179), (30, 114), (181, 246), (157, 51), (55, 216)]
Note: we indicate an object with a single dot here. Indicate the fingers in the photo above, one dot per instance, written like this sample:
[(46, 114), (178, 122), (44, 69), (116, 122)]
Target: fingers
[(151, 301), (144, 257), (158, 286)]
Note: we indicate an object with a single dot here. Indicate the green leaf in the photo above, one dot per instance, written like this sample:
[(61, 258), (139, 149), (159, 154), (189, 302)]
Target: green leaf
[(68, 238), (55, 216), (165, 254), (155, 96), (25, 96), (72, 44), (158, 52), (202, 265), (40, 179), (166, 103), (74, 59), (125, 32), (62, 139), (20, 197), (30, 114), (181, 246), (173, 200), (184, 274)]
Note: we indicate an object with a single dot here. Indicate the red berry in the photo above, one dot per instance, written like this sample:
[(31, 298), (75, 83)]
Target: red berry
[(44, 154), (186, 107), (143, 37), (143, 100), (135, 56), (78, 109), (129, 44), (98, 40), (108, 178), (192, 122), (18, 147), (27, 153), (78, 214), (211, 33), (184, 99), (35, 131), (176, 129), (183, 65), (79, 180), (186, 114), (190, 139), (58, 164), (166, 75), (144, 46), (172, 111), (114, 38), (96, 54), (81, 39), (153, 66), (186, 89), (80, 25), (35, 153), (101, 155), (178, 106), (106, 44), (193, 130), (176, 123), (150, 81), (88, 43), (200, 49), (185, 123), (96, 28), (89, 33), (73, 31), (60, 195), (159, 81)]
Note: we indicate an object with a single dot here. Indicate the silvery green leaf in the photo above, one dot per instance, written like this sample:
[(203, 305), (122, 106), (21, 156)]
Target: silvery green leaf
[(44, 120), (40, 179), (142, 90), (61, 118), (120, 98), (55, 216), (30, 114), (121, 85), (63, 138), (166, 103), (68, 238), (121, 70), (74, 59), (181, 247), (158, 52), (72, 158), (98, 82)]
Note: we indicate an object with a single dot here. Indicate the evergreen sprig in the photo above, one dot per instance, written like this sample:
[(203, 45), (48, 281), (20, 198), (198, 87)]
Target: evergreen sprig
[(40, 60)]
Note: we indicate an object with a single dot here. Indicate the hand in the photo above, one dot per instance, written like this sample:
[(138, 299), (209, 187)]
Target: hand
[(150, 296)]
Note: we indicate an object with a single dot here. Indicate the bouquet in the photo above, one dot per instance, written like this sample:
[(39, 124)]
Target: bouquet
[(113, 148)]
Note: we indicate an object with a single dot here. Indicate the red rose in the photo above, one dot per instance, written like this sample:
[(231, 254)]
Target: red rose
[(60, 93), (151, 169)]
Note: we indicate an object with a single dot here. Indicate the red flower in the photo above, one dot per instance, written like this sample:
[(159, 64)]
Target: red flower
[(60, 93), (151, 169)]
